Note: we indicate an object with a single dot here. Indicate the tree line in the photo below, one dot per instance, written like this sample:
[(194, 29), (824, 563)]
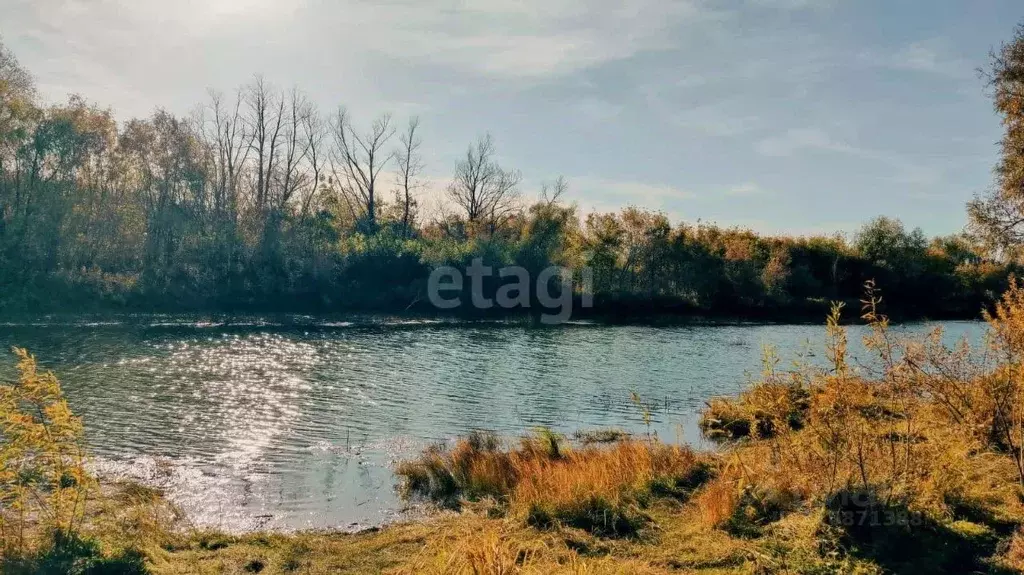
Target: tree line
[(260, 201)]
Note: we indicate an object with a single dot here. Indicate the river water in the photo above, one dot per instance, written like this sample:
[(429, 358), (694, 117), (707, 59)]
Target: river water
[(293, 422)]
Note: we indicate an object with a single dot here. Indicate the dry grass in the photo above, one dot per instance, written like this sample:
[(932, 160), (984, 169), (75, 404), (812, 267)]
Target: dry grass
[(922, 452), (544, 481), (312, 553), (469, 543), (1013, 558), (763, 412), (600, 436), (717, 503), (600, 490), (472, 543)]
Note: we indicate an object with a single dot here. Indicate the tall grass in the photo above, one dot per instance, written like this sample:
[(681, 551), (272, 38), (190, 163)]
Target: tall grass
[(46, 491), (547, 482), (44, 485)]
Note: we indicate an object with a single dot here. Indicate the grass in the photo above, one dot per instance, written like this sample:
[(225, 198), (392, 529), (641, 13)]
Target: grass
[(590, 437), (673, 540)]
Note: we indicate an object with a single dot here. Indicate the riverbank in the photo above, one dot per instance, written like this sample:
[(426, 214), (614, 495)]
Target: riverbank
[(631, 506), (613, 311), (474, 543)]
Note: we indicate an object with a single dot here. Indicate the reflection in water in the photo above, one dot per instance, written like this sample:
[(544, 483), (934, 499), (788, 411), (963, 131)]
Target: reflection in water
[(292, 422)]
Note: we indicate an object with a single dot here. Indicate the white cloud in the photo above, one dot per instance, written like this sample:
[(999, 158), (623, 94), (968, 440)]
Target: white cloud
[(773, 228), (136, 54), (525, 39), (795, 140), (929, 56), (745, 189), (597, 109), (794, 4), (603, 195), (903, 169), (918, 175), (692, 80), (718, 119), (541, 39)]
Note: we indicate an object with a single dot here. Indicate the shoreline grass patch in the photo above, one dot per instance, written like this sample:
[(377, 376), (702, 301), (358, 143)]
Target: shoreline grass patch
[(545, 481)]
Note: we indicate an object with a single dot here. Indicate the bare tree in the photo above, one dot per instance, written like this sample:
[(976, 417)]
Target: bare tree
[(486, 193), (358, 161), (410, 164), (265, 119), (297, 145), (315, 132), (228, 141), (552, 194)]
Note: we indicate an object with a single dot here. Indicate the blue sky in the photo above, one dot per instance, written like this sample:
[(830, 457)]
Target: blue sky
[(796, 116)]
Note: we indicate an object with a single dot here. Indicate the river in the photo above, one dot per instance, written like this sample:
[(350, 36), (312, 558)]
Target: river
[(293, 422)]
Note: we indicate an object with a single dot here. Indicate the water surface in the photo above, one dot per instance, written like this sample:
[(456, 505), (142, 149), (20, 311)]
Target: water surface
[(296, 422)]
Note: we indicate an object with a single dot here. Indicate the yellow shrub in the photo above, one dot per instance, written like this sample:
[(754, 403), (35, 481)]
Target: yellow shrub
[(44, 485)]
